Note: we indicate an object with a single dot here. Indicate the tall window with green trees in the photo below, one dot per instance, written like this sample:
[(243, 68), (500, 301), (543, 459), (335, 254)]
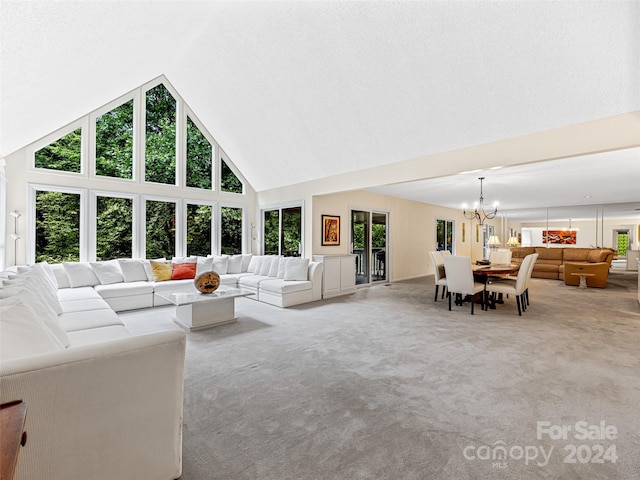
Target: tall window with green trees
[(57, 226), (114, 142), (231, 230), (160, 151), (199, 231), (283, 231), (229, 182), (444, 235), (64, 154), (199, 158), (160, 229), (114, 227)]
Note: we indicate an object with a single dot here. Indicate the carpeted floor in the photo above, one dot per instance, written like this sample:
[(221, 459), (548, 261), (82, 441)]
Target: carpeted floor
[(387, 384)]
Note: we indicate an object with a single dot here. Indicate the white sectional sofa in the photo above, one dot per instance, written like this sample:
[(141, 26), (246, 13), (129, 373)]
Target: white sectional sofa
[(102, 403), (128, 284)]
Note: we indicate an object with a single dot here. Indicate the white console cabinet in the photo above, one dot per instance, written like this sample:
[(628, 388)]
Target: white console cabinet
[(339, 277)]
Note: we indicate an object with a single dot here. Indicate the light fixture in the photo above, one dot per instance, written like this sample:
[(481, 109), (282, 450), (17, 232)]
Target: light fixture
[(14, 236), (513, 241), (493, 242), (479, 213)]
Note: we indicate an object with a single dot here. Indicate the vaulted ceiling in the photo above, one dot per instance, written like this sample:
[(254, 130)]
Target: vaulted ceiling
[(296, 91)]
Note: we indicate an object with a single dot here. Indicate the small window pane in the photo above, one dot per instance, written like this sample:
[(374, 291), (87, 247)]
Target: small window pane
[(114, 142), (63, 154), (199, 158), (228, 181), (57, 227), (231, 228), (160, 152), (291, 231), (161, 229), (199, 229), (271, 232), (114, 228)]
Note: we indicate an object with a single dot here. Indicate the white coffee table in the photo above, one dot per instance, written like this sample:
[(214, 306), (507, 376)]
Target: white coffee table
[(195, 310)]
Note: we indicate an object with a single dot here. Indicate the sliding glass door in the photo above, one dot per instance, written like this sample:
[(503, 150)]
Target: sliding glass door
[(369, 242)]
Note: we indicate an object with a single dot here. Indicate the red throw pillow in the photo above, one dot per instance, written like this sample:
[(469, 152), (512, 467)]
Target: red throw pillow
[(182, 271)]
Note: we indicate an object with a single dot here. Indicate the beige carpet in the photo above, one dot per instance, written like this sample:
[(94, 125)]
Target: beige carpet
[(387, 384)]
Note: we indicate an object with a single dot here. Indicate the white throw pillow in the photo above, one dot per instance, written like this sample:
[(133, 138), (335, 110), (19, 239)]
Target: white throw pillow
[(203, 264), (184, 259), (275, 263), (265, 266), (45, 268), (254, 264), (133, 270), (108, 272), (235, 264), (80, 274), (35, 283), (24, 333), (281, 267), (62, 279), (296, 269), (220, 263), (246, 260)]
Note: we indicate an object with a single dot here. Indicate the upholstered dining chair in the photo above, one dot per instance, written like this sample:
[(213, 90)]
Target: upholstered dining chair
[(438, 272), (500, 256), (516, 287), (460, 279)]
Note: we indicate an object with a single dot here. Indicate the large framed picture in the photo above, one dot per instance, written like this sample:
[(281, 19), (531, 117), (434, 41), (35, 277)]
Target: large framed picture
[(330, 230)]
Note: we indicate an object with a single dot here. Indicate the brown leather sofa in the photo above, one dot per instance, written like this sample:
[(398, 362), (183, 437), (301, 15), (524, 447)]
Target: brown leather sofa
[(560, 262)]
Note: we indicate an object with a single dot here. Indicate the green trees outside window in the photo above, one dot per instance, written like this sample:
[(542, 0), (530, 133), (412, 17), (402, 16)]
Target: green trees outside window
[(114, 142), (64, 154), (114, 228), (231, 230), (444, 235), (57, 226), (199, 231), (282, 231), (199, 158), (161, 229), (160, 151), (229, 182)]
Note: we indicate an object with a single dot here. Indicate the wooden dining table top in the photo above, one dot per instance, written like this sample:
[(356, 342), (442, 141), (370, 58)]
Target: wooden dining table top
[(495, 269)]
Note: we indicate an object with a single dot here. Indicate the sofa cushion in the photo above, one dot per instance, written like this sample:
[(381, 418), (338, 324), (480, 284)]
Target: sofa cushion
[(93, 336), (276, 285), (246, 260), (183, 270), (81, 293), (47, 273), (220, 264), (133, 269), (124, 289), (161, 270), (596, 256), (275, 264), (80, 274), (108, 272), (554, 254), (253, 281), (235, 264), (254, 264), (62, 279), (203, 264), (521, 252), (575, 254), (296, 269), (84, 320), (35, 282), (24, 333), (41, 305), (173, 286), (83, 305), (265, 266)]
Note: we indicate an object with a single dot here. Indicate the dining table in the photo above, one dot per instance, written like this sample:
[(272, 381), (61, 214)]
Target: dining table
[(481, 273)]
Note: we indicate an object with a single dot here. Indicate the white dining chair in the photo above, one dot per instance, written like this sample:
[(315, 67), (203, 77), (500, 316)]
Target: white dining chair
[(438, 272), (500, 256), (515, 287), (460, 279)]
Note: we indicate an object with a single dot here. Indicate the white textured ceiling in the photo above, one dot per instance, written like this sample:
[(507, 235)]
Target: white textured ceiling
[(296, 91)]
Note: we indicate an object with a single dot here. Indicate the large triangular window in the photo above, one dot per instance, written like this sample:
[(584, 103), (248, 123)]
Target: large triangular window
[(114, 142), (199, 158), (229, 182), (64, 154), (160, 151)]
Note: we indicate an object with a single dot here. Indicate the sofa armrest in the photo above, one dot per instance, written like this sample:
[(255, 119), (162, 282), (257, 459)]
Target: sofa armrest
[(600, 272), (315, 277), (105, 411)]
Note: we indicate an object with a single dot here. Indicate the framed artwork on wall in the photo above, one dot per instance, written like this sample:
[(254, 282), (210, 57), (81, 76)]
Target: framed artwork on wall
[(330, 230)]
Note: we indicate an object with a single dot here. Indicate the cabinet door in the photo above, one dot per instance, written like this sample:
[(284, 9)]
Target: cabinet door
[(347, 273), (332, 277)]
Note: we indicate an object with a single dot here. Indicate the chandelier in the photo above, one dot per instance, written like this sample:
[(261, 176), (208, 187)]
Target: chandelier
[(478, 209)]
